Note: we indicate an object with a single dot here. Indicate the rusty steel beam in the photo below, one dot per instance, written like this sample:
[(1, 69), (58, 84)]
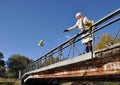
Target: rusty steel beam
[(107, 69)]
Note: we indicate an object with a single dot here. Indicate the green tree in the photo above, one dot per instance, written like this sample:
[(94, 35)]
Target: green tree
[(2, 65), (103, 40), (1, 55), (15, 64)]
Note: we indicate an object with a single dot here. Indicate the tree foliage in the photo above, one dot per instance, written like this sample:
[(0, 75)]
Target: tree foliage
[(1, 55), (17, 63), (2, 65), (103, 40)]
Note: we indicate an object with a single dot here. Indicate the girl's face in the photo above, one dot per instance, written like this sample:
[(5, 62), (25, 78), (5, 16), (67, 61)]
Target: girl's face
[(78, 17)]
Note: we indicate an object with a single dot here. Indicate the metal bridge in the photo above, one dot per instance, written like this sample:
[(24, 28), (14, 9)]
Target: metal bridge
[(66, 63)]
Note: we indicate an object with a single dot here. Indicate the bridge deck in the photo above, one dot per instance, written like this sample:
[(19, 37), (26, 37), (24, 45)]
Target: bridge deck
[(64, 63)]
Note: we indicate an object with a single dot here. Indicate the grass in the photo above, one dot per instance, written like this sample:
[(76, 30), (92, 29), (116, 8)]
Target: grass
[(7, 81)]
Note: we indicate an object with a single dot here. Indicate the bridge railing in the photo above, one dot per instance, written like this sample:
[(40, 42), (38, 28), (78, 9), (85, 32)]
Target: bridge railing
[(69, 48)]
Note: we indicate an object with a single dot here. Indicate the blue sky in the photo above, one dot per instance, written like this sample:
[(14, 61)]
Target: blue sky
[(24, 22)]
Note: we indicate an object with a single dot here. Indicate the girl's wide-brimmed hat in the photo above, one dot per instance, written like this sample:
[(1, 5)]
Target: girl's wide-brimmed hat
[(78, 14)]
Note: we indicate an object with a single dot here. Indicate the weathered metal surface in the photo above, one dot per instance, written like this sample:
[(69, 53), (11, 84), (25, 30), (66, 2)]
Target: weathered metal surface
[(106, 69), (99, 66), (64, 63)]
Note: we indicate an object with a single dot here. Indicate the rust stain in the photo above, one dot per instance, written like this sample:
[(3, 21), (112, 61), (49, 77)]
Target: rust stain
[(109, 68)]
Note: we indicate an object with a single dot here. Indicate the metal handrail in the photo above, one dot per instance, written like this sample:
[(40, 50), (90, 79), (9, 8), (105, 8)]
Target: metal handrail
[(116, 12), (74, 39)]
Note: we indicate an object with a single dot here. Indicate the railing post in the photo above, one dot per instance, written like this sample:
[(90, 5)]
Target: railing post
[(73, 45), (60, 53), (93, 47), (20, 77), (51, 60)]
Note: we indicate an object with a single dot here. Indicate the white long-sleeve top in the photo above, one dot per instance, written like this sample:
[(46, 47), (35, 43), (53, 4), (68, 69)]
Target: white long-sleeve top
[(80, 24)]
